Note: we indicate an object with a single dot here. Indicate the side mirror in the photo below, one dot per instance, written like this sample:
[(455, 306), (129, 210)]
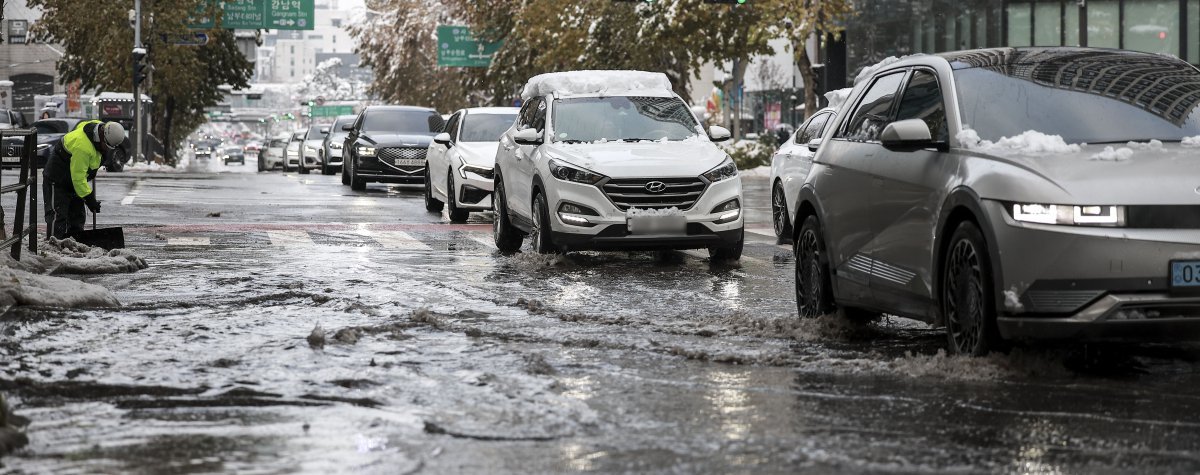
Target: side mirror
[(442, 138), (813, 145), (528, 136), (348, 127), (911, 133), (718, 133), (324, 130)]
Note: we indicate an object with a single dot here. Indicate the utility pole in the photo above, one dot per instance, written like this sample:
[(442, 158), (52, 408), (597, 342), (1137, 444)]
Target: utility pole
[(139, 55)]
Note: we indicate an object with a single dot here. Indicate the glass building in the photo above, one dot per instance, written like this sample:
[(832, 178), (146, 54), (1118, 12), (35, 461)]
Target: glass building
[(885, 28)]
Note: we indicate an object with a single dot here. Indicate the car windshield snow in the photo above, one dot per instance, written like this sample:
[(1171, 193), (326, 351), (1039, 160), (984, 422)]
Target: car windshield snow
[(591, 119), (1095, 102), (402, 122), (485, 127)]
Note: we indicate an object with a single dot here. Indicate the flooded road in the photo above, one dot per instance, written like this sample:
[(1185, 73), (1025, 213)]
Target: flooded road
[(287, 324)]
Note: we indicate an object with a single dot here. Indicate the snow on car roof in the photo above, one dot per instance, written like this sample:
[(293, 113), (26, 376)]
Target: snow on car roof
[(580, 83), (493, 110)]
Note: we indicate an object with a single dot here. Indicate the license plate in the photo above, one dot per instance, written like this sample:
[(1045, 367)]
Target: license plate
[(650, 225), (12, 159), (409, 162), (1185, 275)]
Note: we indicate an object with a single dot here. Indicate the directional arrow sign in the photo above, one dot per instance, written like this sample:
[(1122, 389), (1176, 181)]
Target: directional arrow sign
[(257, 15)]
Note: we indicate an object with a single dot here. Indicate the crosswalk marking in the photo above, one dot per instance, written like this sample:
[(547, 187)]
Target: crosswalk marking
[(486, 240), (290, 238), (189, 241), (397, 240), (128, 200)]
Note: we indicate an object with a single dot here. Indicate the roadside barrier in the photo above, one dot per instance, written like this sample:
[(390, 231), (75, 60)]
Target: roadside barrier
[(26, 187)]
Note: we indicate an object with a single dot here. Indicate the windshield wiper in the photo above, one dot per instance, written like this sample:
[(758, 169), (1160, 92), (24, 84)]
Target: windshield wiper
[(635, 140)]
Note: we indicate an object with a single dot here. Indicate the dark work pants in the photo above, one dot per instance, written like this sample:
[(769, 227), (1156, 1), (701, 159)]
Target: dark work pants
[(65, 211)]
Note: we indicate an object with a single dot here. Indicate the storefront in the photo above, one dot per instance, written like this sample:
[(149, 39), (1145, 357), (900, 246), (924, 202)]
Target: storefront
[(901, 27)]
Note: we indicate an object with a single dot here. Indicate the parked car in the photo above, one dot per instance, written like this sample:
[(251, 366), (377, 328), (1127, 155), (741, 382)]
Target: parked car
[(233, 154), (310, 158), (387, 144), (331, 147), (460, 161), (11, 119), (1024, 225), (48, 131), (291, 151), (272, 155), (790, 166), (614, 160)]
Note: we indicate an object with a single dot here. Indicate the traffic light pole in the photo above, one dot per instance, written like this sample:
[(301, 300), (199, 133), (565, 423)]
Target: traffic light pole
[(139, 53)]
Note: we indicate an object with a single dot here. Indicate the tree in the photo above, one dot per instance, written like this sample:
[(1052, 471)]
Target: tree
[(799, 20), (186, 79), (327, 83)]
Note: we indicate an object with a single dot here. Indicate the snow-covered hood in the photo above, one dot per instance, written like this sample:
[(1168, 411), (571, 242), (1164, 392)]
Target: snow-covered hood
[(642, 159), (477, 153), (397, 140), (1124, 175)]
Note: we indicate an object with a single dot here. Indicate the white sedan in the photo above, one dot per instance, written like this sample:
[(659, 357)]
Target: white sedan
[(790, 166), (460, 161)]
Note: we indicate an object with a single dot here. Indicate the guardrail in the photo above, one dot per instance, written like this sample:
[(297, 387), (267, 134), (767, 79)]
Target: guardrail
[(27, 180)]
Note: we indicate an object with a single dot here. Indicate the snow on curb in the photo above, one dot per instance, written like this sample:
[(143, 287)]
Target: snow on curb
[(69, 257), (19, 287)]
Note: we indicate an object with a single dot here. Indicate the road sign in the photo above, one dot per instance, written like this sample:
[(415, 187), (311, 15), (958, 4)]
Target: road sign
[(258, 15), (332, 111), (458, 48), (186, 39)]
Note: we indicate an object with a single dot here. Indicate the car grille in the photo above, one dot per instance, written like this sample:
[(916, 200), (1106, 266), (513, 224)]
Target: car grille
[(1163, 217), (628, 193), (391, 154)]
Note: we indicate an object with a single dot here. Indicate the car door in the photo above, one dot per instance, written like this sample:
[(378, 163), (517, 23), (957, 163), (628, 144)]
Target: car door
[(438, 158), (796, 158), (845, 183), (907, 205), (519, 184)]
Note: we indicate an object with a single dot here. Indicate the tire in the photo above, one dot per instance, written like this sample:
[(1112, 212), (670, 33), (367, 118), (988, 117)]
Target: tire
[(814, 290), (346, 173), (456, 214), (302, 169), (543, 239), (968, 303), (508, 238), (261, 166), (728, 252), (356, 183), (326, 170), (779, 213), (432, 205)]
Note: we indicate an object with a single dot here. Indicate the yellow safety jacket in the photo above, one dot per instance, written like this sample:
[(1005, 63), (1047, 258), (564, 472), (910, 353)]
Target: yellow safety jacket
[(84, 157)]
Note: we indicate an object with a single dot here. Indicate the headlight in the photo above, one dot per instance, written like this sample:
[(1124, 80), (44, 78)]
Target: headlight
[(484, 172), (312, 150), (724, 171), (1069, 215), (365, 151), (335, 146), (43, 146), (566, 172)]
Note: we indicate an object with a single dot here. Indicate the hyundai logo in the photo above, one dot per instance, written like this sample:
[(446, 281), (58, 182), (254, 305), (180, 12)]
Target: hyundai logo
[(656, 187)]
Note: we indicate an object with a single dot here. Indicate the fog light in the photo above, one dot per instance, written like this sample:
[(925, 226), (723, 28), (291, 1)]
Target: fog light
[(574, 214), (730, 211)]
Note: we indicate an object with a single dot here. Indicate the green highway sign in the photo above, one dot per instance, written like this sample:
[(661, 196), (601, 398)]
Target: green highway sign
[(458, 48), (258, 15), (332, 111)]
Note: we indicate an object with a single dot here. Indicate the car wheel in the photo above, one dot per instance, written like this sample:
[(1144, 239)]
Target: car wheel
[(346, 173), (543, 241), (356, 183), (302, 169), (456, 215), (432, 205), (967, 300), (728, 252), (779, 213), (814, 295), (508, 238)]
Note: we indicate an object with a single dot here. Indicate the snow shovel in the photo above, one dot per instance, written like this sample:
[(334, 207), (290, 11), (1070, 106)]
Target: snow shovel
[(104, 238)]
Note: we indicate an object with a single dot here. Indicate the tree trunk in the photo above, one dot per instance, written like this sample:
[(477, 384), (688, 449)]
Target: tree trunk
[(739, 77), (810, 81), (168, 140)]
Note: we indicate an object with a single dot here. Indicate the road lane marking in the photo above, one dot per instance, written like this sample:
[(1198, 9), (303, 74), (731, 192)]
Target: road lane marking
[(397, 240), (290, 238), (189, 241), (487, 241), (128, 200)]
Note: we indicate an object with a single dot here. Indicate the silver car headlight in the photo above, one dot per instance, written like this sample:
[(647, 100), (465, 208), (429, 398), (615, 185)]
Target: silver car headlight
[(726, 170), (483, 172), (364, 151), (312, 150), (565, 172), (335, 146), (1069, 215)]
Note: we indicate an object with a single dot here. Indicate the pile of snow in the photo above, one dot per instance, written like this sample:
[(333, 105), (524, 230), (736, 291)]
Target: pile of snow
[(1191, 141), (1030, 142), (839, 97), (1110, 154), (149, 167), (672, 211), (21, 287), (1153, 145), (595, 82), (869, 71), (67, 256)]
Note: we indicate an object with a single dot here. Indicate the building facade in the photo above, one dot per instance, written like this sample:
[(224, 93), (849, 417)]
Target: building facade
[(29, 64)]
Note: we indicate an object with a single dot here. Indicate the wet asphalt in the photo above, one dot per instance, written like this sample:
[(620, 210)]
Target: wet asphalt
[(288, 324)]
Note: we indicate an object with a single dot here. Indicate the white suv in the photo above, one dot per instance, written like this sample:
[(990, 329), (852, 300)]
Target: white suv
[(614, 160), (460, 160)]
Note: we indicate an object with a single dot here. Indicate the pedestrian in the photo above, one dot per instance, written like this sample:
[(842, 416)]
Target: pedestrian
[(74, 160)]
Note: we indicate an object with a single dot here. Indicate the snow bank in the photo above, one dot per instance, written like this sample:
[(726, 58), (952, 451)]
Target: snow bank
[(19, 287), (69, 257), (839, 97), (1030, 142), (150, 167), (594, 82)]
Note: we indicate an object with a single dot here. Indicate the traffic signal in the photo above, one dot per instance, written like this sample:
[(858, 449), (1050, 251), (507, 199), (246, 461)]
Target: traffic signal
[(139, 68)]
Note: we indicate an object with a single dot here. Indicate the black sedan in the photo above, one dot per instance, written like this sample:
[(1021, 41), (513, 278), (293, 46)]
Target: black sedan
[(387, 144), (48, 131)]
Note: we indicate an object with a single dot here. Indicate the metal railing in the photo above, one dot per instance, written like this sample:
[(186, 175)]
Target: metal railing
[(26, 182)]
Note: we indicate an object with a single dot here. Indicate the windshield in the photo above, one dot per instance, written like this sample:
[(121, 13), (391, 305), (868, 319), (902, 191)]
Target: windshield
[(590, 119), (314, 132), (336, 130), (485, 127), (402, 122), (1084, 102)]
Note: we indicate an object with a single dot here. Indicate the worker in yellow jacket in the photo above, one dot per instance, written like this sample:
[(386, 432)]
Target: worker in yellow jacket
[(73, 161)]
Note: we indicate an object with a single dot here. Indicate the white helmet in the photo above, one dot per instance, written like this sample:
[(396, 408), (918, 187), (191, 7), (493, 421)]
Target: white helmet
[(111, 133)]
